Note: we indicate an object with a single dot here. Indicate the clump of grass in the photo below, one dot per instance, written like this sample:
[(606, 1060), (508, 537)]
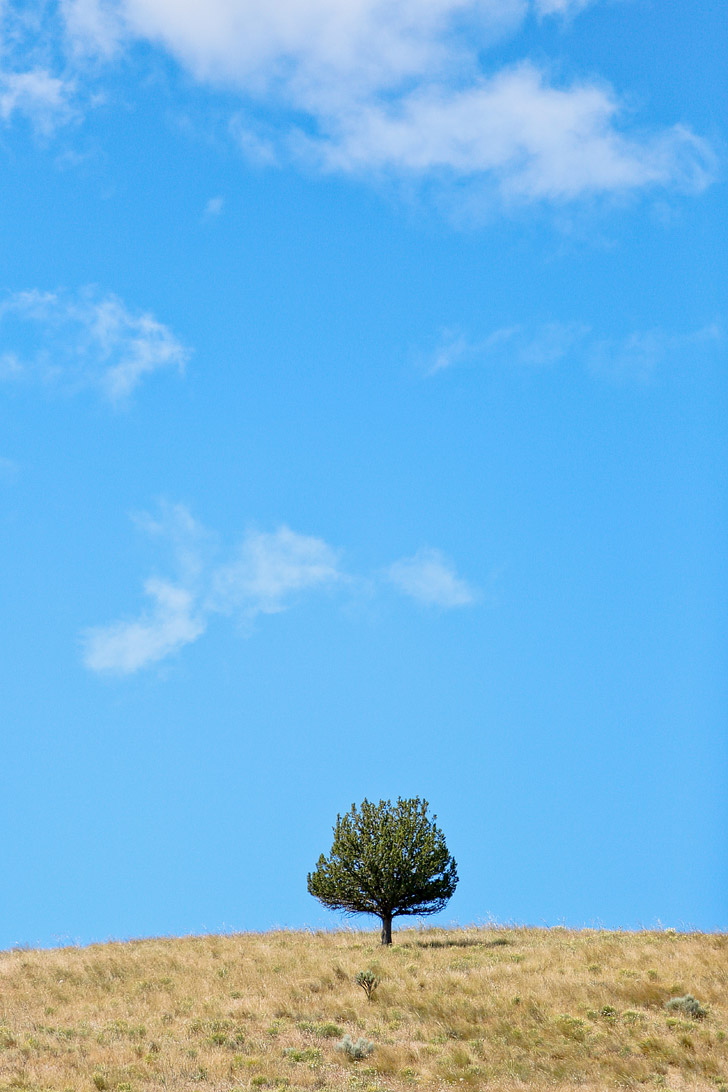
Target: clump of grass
[(688, 1005), (356, 1050)]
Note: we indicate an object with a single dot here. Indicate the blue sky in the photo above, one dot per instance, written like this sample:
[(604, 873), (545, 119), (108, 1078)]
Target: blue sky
[(362, 433)]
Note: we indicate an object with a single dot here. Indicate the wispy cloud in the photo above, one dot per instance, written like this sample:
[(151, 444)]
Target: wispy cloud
[(560, 7), (8, 469), (44, 99), (171, 623), (430, 578), (267, 573), (455, 347), (400, 88), (269, 569), (36, 83), (634, 355), (94, 26), (214, 207), (638, 354), (84, 339)]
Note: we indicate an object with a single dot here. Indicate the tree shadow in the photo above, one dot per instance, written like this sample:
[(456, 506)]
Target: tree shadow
[(455, 942)]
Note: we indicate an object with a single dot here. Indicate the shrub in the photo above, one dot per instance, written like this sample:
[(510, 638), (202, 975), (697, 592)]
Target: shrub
[(358, 1050), (328, 1031), (307, 1054), (368, 982), (572, 1028), (321, 1031), (688, 1005)]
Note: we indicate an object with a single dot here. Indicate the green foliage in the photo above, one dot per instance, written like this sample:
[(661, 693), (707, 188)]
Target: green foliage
[(368, 982), (688, 1005), (325, 1030), (387, 860), (572, 1027), (356, 1050), (7, 1039), (307, 1054)]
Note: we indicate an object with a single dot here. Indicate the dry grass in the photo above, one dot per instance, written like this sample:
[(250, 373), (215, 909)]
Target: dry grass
[(474, 1008)]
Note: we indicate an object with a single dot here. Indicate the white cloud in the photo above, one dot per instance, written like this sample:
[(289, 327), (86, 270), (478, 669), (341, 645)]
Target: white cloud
[(634, 355), (531, 139), (430, 578), (637, 355), (320, 51), (258, 145), (452, 349), (265, 575), (560, 7), (131, 346), (86, 340), (270, 568), (37, 95), (214, 207), (124, 647), (269, 572), (10, 366), (93, 24), (551, 342), (399, 86), (191, 545), (544, 345)]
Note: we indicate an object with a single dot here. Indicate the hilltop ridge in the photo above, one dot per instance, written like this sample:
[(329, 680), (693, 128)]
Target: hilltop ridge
[(477, 1008)]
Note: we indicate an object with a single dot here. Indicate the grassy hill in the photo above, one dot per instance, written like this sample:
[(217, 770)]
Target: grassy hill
[(474, 1009)]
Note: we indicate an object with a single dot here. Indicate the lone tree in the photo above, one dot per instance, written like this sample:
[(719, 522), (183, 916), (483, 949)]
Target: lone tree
[(386, 860)]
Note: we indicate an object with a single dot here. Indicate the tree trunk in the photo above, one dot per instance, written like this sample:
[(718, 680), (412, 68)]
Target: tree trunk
[(386, 928)]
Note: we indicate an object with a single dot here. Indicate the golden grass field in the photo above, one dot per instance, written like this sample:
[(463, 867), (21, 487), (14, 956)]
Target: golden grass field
[(486, 1008)]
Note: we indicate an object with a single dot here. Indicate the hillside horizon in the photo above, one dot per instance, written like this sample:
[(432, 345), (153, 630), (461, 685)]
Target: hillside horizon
[(478, 1008), (421, 927)]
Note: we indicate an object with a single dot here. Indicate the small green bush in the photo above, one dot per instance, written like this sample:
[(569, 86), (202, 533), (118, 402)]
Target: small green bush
[(308, 1054), (358, 1050), (368, 982), (321, 1031), (572, 1028), (328, 1031), (688, 1005)]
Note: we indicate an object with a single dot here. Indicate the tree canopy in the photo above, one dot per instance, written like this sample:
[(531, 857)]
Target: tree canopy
[(387, 860)]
